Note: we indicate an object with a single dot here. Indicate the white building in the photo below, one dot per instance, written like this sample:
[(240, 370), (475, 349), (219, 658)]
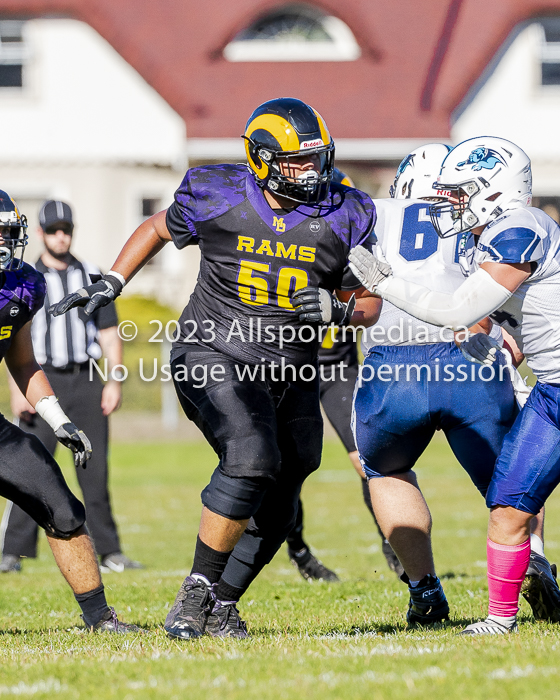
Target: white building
[(81, 125), (518, 98)]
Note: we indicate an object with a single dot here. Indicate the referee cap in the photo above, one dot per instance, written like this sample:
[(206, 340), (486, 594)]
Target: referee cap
[(55, 212)]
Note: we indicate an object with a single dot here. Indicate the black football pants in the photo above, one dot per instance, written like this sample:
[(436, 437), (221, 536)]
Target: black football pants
[(30, 477), (336, 398), (81, 401), (264, 430)]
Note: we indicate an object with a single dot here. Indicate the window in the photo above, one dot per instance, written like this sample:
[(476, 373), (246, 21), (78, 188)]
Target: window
[(550, 51), (13, 53), (294, 32), (148, 207)]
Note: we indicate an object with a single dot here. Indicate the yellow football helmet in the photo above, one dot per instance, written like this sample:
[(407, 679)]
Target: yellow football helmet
[(286, 128)]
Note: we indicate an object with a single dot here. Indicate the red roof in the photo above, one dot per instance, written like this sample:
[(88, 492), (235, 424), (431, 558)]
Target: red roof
[(419, 58)]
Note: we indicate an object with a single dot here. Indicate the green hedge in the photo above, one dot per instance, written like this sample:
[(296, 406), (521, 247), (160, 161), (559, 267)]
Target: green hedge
[(139, 395)]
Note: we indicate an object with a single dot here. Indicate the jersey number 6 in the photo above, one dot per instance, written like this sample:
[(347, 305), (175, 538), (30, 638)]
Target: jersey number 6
[(254, 289), (419, 238)]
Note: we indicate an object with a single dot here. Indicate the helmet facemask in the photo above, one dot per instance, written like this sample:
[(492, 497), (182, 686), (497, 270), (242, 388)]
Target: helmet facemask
[(451, 218), (310, 186), (13, 230)]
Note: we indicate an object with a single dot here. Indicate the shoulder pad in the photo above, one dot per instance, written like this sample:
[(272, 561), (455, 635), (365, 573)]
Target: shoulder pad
[(513, 238)]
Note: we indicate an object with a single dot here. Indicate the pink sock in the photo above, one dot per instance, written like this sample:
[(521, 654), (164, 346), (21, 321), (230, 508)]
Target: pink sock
[(507, 566)]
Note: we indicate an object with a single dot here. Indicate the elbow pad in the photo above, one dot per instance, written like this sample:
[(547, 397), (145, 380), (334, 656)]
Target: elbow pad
[(478, 296)]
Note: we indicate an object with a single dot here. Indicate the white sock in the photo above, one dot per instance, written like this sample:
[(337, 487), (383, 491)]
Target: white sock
[(413, 584), (505, 621), (537, 545)]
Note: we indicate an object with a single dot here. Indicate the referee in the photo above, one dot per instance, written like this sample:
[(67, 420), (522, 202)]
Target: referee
[(64, 346)]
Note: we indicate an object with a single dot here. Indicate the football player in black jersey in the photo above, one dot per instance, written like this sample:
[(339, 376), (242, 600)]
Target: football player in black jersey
[(274, 238), (336, 389), (29, 476)]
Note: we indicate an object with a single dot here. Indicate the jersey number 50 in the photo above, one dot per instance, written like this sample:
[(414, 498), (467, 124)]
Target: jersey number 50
[(254, 289)]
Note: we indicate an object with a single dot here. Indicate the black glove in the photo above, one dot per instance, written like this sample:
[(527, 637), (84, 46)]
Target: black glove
[(77, 441), (316, 305), (92, 297)]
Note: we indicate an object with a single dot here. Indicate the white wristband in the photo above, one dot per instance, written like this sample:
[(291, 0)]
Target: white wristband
[(49, 410), (118, 276)]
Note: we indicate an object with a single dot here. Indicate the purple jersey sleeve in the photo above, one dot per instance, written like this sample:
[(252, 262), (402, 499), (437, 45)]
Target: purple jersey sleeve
[(205, 193), (353, 225), (31, 288)]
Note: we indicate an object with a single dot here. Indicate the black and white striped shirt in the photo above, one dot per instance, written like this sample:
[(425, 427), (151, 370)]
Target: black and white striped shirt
[(71, 339)]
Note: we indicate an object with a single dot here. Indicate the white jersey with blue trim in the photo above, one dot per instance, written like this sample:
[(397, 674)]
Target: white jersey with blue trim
[(407, 240), (532, 314)]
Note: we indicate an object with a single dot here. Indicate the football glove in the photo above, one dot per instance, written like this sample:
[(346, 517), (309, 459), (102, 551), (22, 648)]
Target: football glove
[(480, 348), (316, 305), (368, 268), (93, 297), (77, 441)]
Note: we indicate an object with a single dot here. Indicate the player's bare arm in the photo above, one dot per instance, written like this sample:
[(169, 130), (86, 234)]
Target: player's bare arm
[(148, 239), (513, 348), (146, 242), (34, 385), (27, 374), (367, 309), (111, 346)]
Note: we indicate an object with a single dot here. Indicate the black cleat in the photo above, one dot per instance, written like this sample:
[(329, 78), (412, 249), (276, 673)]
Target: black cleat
[(392, 560), (111, 623), (225, 621), (10, 564), (189, 613), (540, 589), (428, 603), (310, 567)]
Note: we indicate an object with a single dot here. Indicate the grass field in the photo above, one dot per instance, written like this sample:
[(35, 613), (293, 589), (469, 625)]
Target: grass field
[(320, 641)]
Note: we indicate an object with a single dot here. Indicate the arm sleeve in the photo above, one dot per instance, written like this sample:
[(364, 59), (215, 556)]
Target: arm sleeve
[(478, 296)]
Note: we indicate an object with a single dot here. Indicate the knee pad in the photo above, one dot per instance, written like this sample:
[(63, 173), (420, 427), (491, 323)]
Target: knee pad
[(67, 519), (254, 457), (237, 498)]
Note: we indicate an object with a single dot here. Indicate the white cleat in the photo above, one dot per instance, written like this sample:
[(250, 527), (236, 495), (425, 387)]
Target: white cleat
[(489, 626)]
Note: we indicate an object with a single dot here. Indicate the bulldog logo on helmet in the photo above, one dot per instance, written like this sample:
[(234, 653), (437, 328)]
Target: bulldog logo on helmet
[(482, 157)]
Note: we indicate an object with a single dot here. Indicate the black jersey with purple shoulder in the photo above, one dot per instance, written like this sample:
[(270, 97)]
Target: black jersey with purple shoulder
[(253, 259), (22, 294)]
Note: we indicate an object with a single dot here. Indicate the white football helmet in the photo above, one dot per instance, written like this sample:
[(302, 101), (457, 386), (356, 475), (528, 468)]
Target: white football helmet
[(487, 176), (417, 173)]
